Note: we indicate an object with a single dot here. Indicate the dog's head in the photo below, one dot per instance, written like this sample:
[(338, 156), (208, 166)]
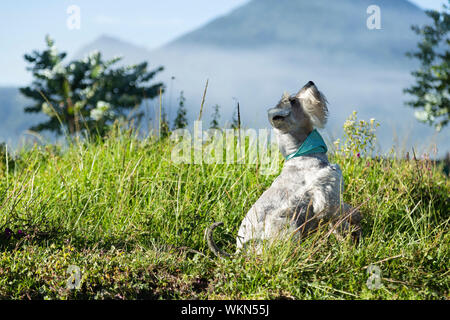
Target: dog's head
[(300, 112)]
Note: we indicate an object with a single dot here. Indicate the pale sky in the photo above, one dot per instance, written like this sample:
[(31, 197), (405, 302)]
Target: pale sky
[(24, 24), (429, 4)]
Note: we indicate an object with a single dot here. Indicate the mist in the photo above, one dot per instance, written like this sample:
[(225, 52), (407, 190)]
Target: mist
[(257, 79)]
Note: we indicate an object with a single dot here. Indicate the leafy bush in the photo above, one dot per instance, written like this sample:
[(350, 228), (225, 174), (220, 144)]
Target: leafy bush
[(87, 94)]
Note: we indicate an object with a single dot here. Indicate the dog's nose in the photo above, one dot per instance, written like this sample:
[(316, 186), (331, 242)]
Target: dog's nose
[(277, 114)]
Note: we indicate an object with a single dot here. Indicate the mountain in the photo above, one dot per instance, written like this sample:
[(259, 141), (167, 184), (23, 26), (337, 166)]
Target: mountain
[(111, 47), (265, 47), (14, 122), (331, 27)]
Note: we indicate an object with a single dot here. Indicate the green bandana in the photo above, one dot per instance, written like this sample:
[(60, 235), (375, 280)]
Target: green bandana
[(313, 144)]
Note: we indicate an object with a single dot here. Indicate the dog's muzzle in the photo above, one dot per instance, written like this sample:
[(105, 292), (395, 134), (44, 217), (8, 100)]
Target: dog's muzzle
[(276, 114)]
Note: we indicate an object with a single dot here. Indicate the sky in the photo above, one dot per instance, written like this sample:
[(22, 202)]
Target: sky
[(147, 23)]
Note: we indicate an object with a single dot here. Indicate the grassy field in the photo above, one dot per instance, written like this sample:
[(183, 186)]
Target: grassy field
[(133, 221)]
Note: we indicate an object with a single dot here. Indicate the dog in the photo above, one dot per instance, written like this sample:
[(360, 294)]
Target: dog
[(308, 191)]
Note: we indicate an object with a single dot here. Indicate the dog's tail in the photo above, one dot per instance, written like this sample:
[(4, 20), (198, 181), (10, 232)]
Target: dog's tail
[(211, 244)]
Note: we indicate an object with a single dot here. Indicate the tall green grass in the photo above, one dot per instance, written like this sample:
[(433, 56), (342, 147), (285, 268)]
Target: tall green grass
[(134, 222)]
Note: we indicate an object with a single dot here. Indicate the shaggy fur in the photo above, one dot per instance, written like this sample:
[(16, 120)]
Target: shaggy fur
[(308, 192)]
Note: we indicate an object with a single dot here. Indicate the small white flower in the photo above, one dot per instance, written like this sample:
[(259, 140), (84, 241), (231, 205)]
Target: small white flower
[(105, 106), (101, 110), (58, 69), (421, 115), (47, 109), (96, 114)]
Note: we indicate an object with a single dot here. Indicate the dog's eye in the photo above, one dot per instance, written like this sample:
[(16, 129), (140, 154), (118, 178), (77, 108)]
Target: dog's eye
[(292, 101)]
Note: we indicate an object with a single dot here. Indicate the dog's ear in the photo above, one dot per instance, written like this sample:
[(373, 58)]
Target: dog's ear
[(314, 104)]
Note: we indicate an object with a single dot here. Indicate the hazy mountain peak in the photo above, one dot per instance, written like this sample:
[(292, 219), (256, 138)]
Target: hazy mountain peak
[(318, 25), (265, 47), (111, 46)]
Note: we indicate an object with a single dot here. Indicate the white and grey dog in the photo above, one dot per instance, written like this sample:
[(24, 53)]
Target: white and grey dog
[(308, 192)]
